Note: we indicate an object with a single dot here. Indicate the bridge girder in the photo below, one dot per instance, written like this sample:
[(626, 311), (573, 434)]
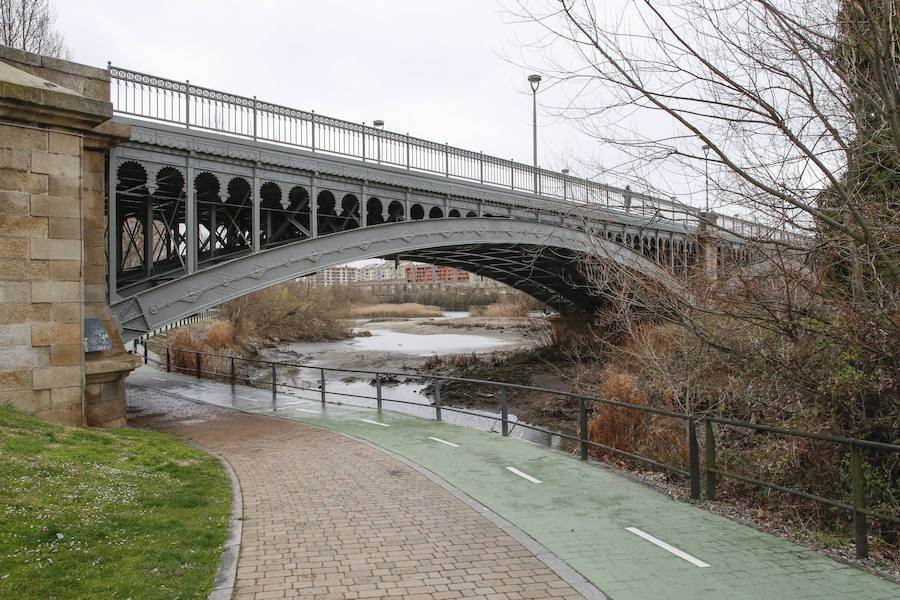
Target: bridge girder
[(447, 239)]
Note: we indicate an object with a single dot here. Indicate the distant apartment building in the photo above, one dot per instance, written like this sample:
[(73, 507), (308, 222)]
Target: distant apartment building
[(387, 271), (405, 276), (434, 274), (335, 276)]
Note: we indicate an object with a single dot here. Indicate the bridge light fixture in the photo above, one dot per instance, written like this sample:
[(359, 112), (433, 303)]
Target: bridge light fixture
[(379, 125), (706, 148), (565, 174), (535, 81)]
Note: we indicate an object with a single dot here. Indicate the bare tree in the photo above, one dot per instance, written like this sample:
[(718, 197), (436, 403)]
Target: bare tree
[(776, 90), (28, 25), (798, 104)]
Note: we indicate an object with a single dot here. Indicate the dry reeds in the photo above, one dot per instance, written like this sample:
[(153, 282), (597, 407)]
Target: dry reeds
[(500, 309), (220, 334), (186, 349), (407, 310)]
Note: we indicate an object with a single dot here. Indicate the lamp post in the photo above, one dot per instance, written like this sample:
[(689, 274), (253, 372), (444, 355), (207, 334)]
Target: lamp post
[(535, 81), (379, 125), (565, 174), (706, 148)]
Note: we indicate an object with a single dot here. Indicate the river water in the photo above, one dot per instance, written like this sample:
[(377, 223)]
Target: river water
[(394, 348)]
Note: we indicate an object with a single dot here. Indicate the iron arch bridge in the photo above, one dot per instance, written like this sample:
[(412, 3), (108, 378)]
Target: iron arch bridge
[(216, 195)]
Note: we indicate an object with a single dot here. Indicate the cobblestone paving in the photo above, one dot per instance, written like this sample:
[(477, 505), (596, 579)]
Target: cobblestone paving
[(329, 517)]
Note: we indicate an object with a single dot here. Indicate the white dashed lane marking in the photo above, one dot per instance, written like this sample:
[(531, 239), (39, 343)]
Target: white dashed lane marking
[(374, 423), (667, 547), (443, 441), (523, 475)]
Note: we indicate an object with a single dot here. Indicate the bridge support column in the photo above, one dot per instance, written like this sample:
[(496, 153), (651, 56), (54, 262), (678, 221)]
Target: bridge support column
[(708, 240), (571, 329), (54, 135)]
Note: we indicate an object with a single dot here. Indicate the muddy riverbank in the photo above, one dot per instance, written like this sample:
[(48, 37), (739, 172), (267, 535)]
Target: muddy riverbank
[(406, 345), (509, 350)]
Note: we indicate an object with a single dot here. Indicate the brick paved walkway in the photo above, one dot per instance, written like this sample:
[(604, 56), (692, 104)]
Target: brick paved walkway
[(329, 517)]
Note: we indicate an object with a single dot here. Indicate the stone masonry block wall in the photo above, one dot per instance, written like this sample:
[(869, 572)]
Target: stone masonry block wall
[(53, 143), (40, 341)]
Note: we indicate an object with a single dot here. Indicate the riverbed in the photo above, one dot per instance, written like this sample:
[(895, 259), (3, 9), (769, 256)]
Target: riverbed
[(401, 344), (393, 347)]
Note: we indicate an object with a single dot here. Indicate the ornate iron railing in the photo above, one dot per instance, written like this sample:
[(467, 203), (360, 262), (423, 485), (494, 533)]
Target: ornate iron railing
[(195, 107)]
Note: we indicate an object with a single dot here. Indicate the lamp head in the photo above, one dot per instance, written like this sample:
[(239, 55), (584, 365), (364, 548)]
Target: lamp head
[(378, 123), (535, 81)]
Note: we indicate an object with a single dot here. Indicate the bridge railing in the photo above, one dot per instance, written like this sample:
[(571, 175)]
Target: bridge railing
[(227, 368), (183, 103)]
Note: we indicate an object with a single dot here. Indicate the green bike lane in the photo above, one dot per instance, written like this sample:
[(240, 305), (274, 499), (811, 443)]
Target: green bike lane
[(628, 540)]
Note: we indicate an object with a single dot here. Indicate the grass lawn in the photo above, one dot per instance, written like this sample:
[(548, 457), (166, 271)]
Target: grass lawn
[(106, 513)]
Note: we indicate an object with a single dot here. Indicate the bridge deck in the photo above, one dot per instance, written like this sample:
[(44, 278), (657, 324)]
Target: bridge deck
[(594, 521)]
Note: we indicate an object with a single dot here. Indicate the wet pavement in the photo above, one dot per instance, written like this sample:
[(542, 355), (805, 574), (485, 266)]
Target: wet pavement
[(627, 540)]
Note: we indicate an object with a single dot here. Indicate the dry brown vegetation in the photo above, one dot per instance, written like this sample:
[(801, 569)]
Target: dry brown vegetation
[(405, 310), (500, 309), (633, 430), (290, 311)]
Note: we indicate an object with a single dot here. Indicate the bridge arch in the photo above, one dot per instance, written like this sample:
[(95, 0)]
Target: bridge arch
[(538, 258)]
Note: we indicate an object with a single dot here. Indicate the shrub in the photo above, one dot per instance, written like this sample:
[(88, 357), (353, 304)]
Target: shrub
[(655, 436), (220, 334)]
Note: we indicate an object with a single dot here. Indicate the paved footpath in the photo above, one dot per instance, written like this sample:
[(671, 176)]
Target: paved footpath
[(339, 517), (329, 517)]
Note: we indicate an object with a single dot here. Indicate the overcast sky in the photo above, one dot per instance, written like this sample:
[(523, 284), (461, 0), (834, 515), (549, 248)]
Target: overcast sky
[(444, 70)]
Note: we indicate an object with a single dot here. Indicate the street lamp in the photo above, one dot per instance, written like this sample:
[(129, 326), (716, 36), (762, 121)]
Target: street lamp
[(379, 125), (565, 174), (706, 148), (535, 81)]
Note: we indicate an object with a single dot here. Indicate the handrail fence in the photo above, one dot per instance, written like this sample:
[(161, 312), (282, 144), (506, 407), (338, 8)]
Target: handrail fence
[(195, 107), (695, 470)]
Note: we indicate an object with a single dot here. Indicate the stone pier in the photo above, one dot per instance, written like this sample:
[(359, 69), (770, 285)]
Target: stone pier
[(55, 130)]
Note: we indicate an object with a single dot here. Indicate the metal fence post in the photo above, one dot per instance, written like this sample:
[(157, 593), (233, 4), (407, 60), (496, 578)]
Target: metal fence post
[(710, 462), (233, 378), (322, 384), (859, 504), (313, 129), (168, 361), (694, 451), (144, 343), (504, 413), (437, 400), (254, 118), (446, 160), (408, 163), (378, 389), (187, 103), (583, 428), (198, 369), (274, 381)]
